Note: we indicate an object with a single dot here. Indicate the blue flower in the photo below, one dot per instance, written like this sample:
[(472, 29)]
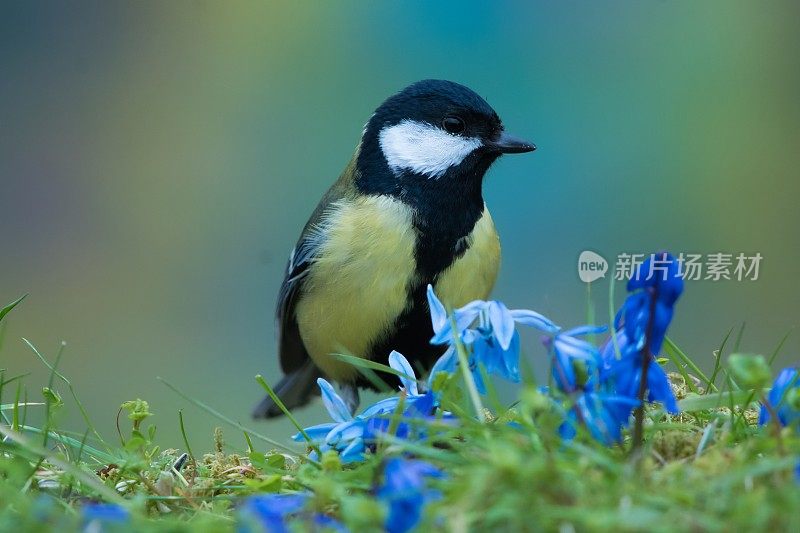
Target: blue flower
[(604, 415), (418, 407), (345, 434), (268, 512), (640, 328), (409, 425), (655, 286), (567, 350), (405, 491), (488, 330), (661, 272), (271, 513), (351, 435), (787, 382), (408, 378), (603, 412), (409, 386), (624, 375), (103, 516)]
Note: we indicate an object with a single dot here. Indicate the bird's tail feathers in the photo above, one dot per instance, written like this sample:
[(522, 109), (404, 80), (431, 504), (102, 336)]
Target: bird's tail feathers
[(296, 389)]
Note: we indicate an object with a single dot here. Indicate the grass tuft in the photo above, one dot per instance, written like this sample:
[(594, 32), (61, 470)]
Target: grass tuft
[(710, 468)]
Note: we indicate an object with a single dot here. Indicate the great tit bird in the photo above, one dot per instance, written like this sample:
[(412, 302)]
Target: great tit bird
[(407, 211)]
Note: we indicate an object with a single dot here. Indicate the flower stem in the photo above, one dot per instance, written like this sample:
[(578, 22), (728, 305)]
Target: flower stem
[(611, 320), (775, 423), (397, 414), (275, 398), (638, 414), (463, 362), (647, 357)]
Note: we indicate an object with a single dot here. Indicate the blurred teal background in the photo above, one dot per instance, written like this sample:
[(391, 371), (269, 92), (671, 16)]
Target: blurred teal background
[(158, 159)]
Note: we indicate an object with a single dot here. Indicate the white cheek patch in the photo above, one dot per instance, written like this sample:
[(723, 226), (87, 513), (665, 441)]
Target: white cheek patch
[(423, 148)]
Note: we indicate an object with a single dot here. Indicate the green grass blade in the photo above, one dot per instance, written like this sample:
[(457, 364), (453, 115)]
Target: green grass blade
[(366, 363), (368, 369), (739, 335), (469, 381), (86, 478), (8, 406), (701, 402), (72, 392), (676, 353), (779, 347), (183, 434), (7, 309), (100, 456), (216, 414), (685, 375), (718, 360), (275, 398)]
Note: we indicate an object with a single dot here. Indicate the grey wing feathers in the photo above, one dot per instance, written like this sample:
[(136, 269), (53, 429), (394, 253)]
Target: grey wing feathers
[(299, 385), (292, 351)]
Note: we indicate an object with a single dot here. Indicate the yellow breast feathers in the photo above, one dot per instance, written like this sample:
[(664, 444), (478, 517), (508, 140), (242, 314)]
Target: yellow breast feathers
[(472, 276), (358, 285)]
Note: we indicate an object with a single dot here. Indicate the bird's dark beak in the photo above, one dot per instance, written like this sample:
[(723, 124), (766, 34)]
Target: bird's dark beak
[(508, 144)]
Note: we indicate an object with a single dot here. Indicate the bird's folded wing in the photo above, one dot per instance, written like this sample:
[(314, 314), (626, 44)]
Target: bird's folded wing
[(293, 354)]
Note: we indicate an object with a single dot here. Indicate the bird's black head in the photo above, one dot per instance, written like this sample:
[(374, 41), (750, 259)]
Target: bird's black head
[(434, 134)]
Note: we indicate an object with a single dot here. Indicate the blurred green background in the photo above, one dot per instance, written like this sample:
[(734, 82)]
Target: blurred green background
[(158, 159)]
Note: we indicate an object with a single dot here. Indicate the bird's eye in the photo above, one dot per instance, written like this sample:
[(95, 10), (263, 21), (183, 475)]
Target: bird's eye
[(454, 125)]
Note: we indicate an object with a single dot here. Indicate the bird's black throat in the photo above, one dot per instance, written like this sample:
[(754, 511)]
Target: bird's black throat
[(446, 210)]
